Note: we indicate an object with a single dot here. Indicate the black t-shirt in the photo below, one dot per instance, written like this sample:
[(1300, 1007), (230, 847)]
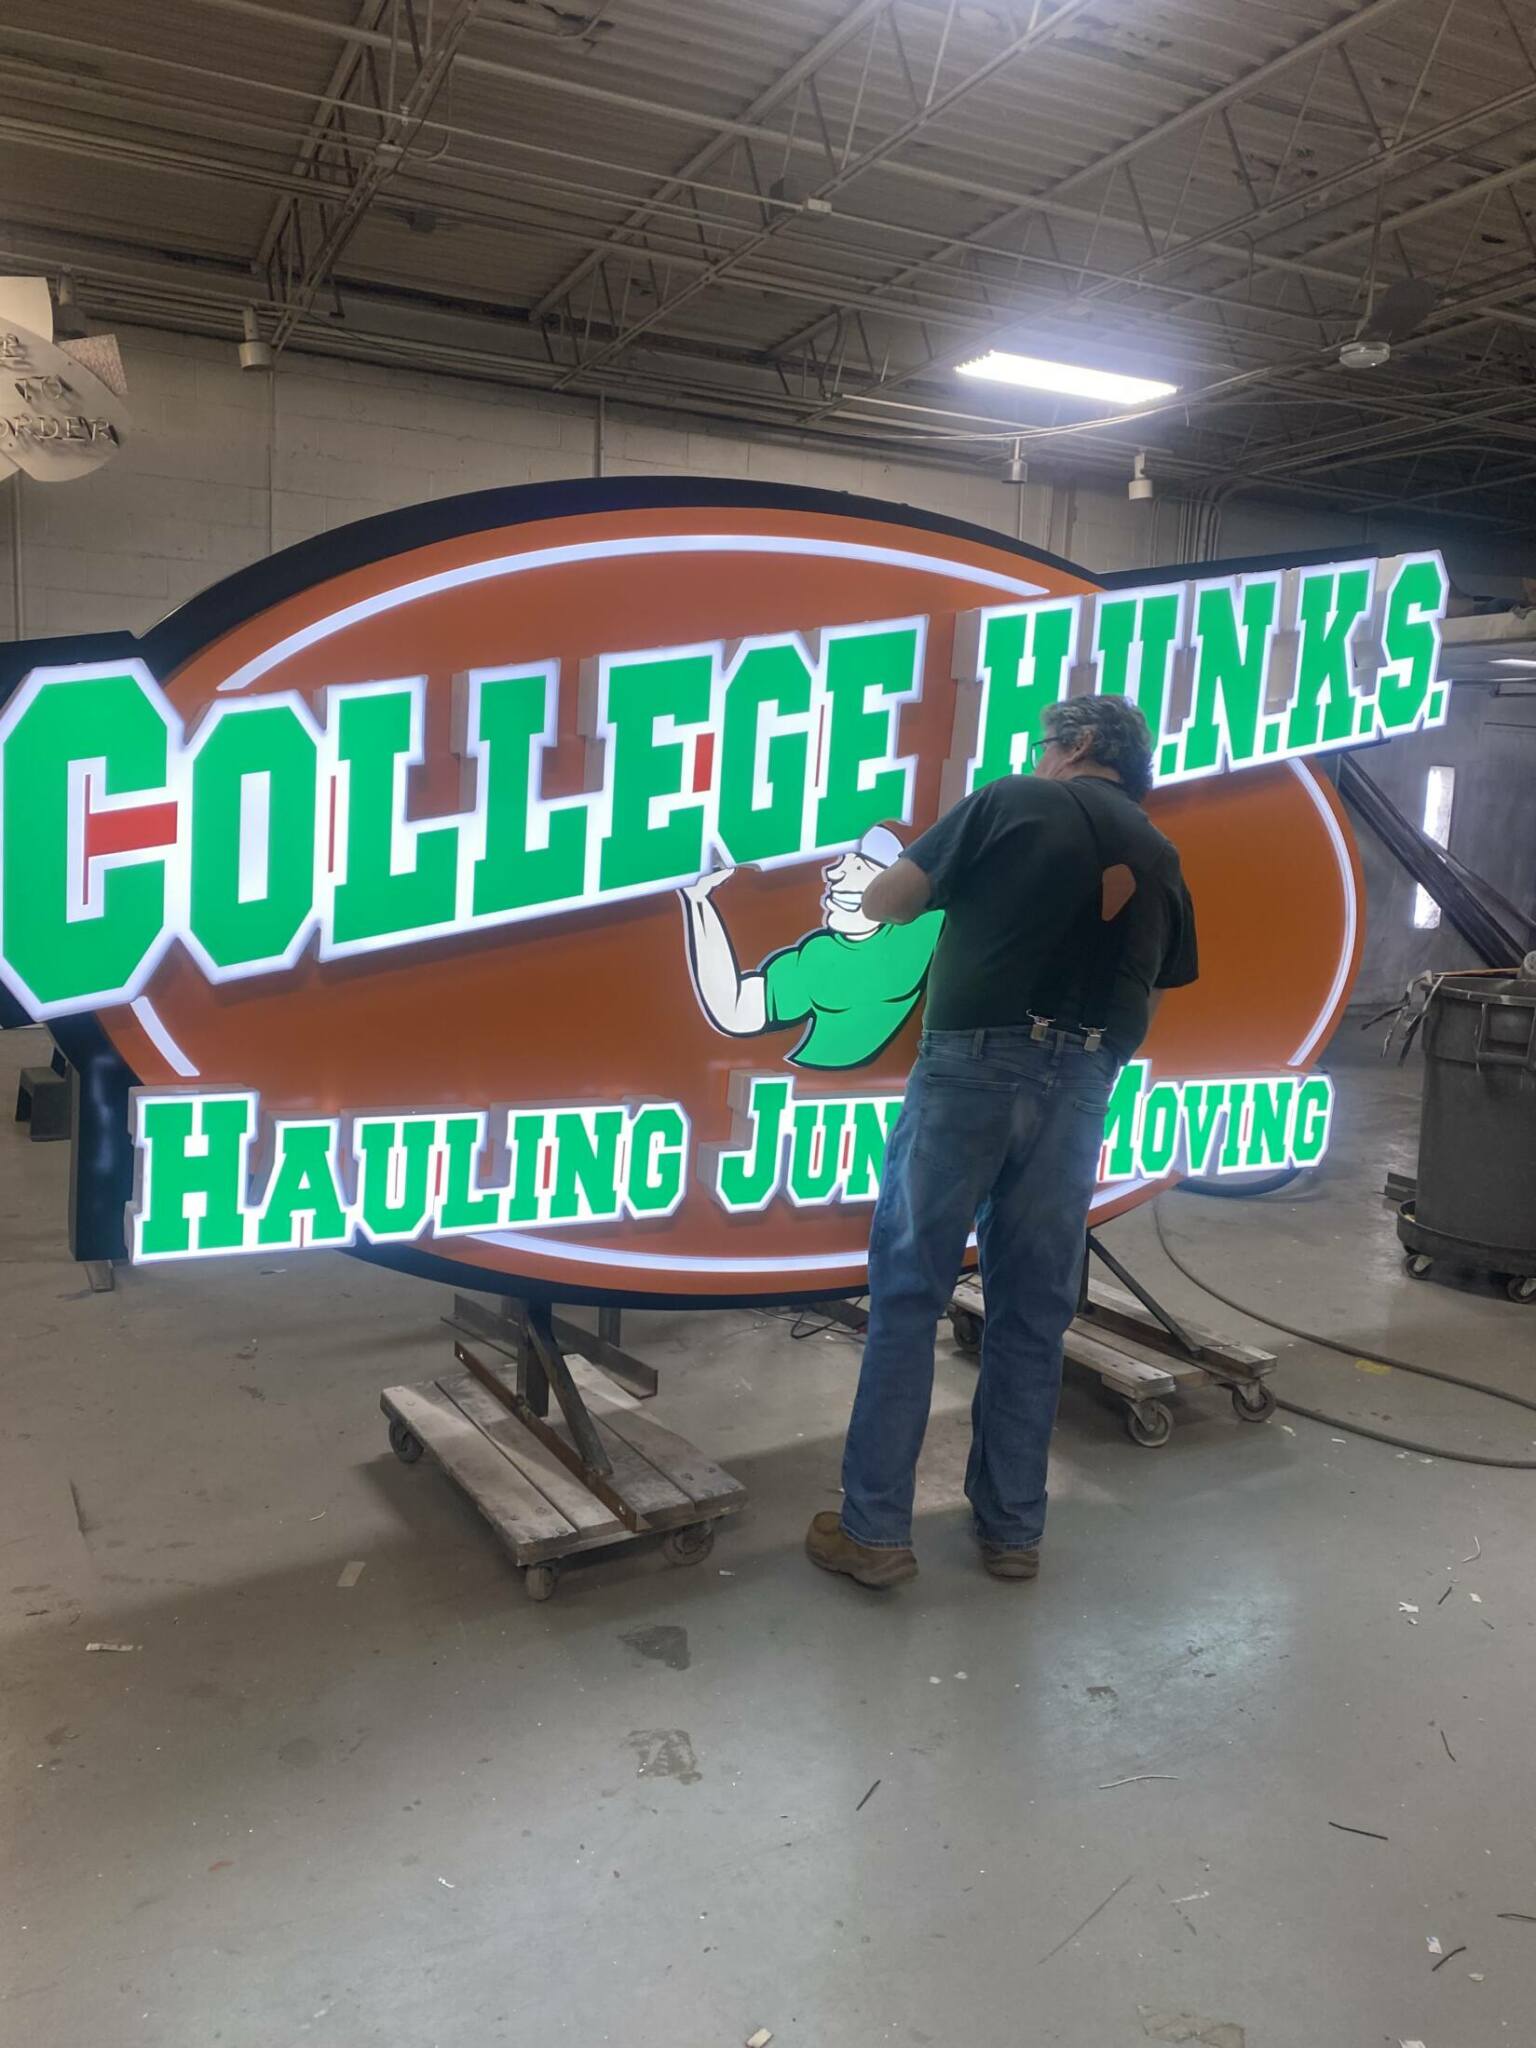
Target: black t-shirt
[(1017, 870)]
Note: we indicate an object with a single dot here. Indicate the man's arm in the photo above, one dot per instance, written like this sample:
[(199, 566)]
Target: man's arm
[(1181, 952), (734, 1002), (898, 894)]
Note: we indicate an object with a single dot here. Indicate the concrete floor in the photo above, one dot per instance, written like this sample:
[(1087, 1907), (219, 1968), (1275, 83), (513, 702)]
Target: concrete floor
[(424, 1811)]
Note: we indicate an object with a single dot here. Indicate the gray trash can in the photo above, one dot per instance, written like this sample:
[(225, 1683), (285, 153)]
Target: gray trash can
[(1476, 1198)]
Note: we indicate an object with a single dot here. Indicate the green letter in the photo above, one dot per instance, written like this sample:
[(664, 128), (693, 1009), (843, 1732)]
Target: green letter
[(1143, 626), (747, 1179), (813, 1175), (1314, 1112), (220, 1126), (462, 1206), (253, 834), (657, 1140), (1267, 1124), (865, 780), (586, 1165), (1238, 1095), (1159, 1129), (519, 867), (1202, 1113), (1025, 655), (1404, 698), (1331, 604), (399, 878), (394, 1150), (303, 1184), (526, 1139), (873, 1123), (1229, 673), (654, 834), (1121, 1116), (773, 674), (76, 935)]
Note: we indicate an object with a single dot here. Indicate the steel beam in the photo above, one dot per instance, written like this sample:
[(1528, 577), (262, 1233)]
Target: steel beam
[(933, 109), (1203, 110), (399, 128), (787, 83), (329, 105)]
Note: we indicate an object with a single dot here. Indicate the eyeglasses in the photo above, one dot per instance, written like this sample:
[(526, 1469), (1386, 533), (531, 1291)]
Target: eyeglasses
[(1037, 752)]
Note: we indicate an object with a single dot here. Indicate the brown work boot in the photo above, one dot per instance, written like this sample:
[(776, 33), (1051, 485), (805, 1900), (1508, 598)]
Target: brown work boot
[(1010, 1564), (828, 1544)]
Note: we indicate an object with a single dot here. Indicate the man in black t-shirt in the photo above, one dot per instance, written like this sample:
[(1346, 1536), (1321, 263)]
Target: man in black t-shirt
[(1066, 916)]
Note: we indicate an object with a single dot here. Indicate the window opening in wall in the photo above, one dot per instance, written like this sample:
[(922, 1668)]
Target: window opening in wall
[(1439, 793)]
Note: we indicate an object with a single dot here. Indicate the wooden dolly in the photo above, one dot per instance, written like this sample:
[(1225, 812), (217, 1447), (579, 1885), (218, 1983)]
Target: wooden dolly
[(604, 1475), (1140, 1352)]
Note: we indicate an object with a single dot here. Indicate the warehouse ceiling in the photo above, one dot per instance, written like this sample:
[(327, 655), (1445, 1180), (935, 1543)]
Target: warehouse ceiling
[(801, 215)]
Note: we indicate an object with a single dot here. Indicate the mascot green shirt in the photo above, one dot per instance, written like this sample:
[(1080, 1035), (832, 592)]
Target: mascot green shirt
[(857, 993)]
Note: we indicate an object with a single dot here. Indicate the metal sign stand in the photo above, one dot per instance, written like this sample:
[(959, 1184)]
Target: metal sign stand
[(602, 1475), (1139, 1350)]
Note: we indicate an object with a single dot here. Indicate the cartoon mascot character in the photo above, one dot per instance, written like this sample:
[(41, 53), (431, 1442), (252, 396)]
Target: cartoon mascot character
[(852, 983)]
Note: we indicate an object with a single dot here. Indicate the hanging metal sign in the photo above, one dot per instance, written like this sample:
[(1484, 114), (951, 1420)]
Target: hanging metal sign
[(479, 887), (63, 403)]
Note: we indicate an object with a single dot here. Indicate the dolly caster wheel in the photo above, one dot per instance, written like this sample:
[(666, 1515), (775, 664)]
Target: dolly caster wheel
[(967, 1327), (1521, 1287), (1253, 1403), (406, 1447), (688, 1546), (1148, 1423), (540, 1580), (1417, 1265)]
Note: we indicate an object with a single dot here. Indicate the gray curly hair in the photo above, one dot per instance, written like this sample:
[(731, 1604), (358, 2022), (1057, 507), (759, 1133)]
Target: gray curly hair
[(1121, 738)]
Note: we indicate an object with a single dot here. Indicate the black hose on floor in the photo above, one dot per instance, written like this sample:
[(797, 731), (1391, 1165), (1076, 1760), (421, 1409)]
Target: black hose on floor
[(1243, 1190), (1380, 1436)]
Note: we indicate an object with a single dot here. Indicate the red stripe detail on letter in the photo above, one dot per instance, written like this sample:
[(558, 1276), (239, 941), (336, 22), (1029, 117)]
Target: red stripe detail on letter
[(130, 831)]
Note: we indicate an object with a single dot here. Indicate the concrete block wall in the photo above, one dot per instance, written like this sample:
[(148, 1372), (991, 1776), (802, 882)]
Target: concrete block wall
[(224, 466)]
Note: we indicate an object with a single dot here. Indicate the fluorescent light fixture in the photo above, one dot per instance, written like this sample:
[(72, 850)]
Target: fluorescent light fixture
[(1069, 380), (1439, 794)]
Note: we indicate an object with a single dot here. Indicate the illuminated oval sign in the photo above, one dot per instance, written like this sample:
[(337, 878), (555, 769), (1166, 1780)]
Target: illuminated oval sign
[(478, 888)]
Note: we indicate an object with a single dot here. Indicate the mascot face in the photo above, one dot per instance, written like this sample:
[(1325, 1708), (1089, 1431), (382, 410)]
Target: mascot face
[(842, 902)]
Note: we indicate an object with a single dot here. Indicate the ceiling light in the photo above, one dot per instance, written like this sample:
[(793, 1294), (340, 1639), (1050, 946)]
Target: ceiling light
[(1365, 355), (1068, 380), (255, 354)]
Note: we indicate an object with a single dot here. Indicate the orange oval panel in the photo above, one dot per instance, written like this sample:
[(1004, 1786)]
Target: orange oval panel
[(596, 1005)]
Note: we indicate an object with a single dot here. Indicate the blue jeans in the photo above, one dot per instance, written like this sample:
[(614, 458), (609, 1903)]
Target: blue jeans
[(1003, 1131)]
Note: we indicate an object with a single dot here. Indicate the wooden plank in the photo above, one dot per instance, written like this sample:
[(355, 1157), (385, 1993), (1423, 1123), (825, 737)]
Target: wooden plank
[(1248, 1359), (631, 1375), (583, 1510), (596, 1387), (1137, 1377), (648, 1488), (1121, 1314), (653, 1496), (529, 1525), (704, 1482)]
